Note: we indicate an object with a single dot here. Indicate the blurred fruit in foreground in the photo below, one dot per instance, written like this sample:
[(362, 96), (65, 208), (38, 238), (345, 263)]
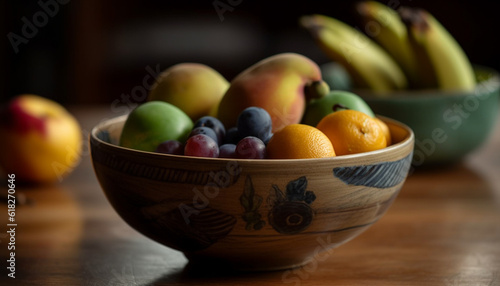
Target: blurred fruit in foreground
[(352, 131), (299, 141), (40, 140), (152, 123), (279, 84), (194, 88)]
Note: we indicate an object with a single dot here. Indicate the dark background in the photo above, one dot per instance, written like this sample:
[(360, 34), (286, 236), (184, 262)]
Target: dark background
[(94, 51)]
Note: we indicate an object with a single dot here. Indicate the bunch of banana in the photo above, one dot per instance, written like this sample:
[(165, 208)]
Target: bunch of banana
[(414, 50), (368, 64), (383, 24), (442, 63)]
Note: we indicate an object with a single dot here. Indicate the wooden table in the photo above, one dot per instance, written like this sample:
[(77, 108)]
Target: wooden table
[(443, 229)]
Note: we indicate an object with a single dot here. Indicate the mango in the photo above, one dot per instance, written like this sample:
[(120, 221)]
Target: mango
[(193, 87), (280, 84)]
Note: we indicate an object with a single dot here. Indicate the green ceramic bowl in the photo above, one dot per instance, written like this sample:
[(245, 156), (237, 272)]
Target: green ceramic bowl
[(447, 125)]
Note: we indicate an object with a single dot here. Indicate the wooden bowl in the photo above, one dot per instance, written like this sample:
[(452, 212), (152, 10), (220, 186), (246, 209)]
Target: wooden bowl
[(250, 214)]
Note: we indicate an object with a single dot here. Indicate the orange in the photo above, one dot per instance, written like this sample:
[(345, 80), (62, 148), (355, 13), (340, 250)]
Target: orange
[(398, 133), (299, 141), (385, 129), (352, 131)]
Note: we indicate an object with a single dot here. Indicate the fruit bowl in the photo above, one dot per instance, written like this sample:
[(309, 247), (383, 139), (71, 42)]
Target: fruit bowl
[(447, 125), (249, 214)]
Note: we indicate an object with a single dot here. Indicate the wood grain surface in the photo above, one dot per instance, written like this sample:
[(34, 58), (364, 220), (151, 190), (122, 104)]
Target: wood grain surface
[(442, 229)]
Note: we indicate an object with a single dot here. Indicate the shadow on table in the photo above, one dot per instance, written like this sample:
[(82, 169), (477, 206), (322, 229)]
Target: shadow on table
[(202, 273)]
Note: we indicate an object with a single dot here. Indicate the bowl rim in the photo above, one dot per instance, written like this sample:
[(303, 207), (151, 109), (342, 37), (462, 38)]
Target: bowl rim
[(95, 140)]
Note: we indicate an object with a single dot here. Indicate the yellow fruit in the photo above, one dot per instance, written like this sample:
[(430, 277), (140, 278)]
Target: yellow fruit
[(352, 131), (385, 129), (41, 141), (194, 88), (299, 141)]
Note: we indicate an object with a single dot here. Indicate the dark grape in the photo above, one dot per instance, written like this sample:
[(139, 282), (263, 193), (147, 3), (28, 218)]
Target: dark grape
[(201, 145), (227, 151), (256, 122), (251, 148), (170, 147), (232, 136), (206, 131), (214, 124)]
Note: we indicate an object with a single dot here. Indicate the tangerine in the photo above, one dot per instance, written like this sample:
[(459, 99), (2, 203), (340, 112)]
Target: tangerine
[(299, 141), (352, 131), (385, 129)]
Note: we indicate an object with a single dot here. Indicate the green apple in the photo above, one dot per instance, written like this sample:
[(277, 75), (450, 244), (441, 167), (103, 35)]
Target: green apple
[(152, 123), (336, 100)]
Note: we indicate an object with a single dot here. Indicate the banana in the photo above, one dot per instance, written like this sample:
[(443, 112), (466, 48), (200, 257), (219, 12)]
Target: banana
[(442, 63), (369, 65), (383, 24)]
